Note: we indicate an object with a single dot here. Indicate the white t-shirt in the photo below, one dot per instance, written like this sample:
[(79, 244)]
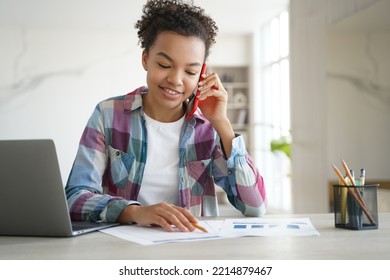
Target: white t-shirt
[(160, 180)]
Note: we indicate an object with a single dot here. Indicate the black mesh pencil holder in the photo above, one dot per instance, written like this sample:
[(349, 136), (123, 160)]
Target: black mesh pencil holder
[(356, 207)]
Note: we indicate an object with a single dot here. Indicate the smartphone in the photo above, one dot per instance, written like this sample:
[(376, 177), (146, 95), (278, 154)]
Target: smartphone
[(193, 102)]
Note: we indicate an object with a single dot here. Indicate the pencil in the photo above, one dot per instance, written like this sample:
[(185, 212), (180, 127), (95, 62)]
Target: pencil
[(360, 202), (359, 196), (348, 172), (199, 227)]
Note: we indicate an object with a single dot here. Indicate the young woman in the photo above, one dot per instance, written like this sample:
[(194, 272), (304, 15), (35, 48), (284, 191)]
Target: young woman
[(140, 160)]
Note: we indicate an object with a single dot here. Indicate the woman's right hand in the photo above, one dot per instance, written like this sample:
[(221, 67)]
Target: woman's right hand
[(161, 214)]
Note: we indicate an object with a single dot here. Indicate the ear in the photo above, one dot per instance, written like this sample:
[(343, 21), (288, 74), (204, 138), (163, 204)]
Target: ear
[(144, 60)]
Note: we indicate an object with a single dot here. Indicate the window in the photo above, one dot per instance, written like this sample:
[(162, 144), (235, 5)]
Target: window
[(271, 115)]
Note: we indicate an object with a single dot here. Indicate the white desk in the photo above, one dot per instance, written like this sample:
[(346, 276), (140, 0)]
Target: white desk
[(332, 244)]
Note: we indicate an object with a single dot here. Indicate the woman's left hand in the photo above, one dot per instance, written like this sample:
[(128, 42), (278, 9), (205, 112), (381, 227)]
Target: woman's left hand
[(213, 98)]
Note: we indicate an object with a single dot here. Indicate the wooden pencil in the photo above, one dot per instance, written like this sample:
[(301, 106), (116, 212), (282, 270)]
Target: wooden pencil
[(346, 168), (199, 227)]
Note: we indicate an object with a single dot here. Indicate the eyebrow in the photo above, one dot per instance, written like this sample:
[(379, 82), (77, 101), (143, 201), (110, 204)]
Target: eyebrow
[(170, 59)]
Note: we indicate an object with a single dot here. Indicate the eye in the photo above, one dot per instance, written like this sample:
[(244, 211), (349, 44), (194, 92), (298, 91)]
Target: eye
[(191, 73), (163, 66)]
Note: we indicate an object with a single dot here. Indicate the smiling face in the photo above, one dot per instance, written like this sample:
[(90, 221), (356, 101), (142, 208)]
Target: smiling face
[(173, 66)]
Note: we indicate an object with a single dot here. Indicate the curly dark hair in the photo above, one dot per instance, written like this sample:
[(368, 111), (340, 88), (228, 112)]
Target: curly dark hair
[(177, 16)]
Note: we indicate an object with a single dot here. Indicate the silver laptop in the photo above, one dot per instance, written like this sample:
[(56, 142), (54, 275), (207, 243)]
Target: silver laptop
[(32, 197)]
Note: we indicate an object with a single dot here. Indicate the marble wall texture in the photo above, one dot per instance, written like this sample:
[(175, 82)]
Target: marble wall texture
[(358, 91), (51, 80)]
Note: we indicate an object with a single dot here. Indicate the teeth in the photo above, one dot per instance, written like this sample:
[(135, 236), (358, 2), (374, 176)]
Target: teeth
[(171, 91)]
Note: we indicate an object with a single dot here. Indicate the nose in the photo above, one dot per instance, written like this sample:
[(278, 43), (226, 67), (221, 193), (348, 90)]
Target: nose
[(175, 78)]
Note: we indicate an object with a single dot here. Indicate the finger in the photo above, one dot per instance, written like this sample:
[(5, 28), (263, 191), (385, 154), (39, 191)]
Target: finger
[(212, 92), (161, 216), (182, 219), (210, 85), (162, 222), (179, 217), (212, 88), (186, 218), (154, 215), (166, 215), (170, 219), (187, 214)]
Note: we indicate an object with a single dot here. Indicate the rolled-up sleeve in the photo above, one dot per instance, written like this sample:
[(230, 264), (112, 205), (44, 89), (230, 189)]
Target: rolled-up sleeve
[(241, 180)]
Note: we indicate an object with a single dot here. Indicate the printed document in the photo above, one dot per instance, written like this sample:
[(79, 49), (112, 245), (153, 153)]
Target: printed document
[(216, 229)]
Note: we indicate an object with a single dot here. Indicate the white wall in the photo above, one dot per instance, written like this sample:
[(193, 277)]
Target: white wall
[(334, 113), (232, 50), (51, 80), (358, 91)]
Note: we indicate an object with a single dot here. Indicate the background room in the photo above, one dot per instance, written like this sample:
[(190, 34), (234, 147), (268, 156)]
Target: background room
[(313, 74)]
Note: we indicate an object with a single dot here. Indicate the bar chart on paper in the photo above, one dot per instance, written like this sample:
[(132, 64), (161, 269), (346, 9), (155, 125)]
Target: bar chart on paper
[(268, 227)]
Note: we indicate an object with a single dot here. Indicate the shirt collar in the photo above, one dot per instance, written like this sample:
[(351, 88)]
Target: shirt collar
[(133, 100)]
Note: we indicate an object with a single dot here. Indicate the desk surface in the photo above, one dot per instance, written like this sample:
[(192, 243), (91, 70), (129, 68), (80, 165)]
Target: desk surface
[(333, 244)]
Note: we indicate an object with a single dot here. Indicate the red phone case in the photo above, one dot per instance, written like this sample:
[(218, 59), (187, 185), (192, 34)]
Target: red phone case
[(193, 104)]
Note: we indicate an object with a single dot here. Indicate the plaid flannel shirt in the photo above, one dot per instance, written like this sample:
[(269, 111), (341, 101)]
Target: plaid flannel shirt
[(107, 172)]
